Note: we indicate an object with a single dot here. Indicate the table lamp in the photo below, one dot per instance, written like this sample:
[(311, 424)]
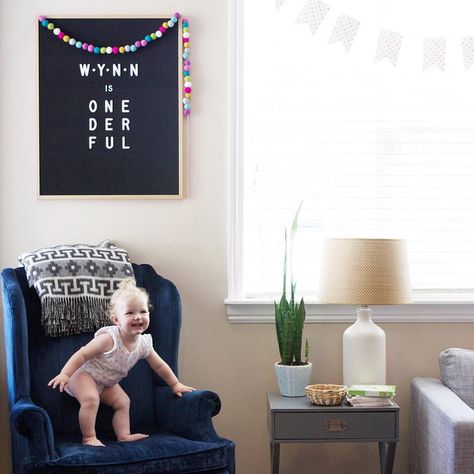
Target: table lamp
[(364, 272)]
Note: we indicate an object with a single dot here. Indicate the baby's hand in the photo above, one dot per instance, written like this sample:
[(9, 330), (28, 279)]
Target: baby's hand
[(61, 380), (179, 389)]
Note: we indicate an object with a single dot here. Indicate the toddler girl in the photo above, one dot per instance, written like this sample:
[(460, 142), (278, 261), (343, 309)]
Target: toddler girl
[(93, 373)]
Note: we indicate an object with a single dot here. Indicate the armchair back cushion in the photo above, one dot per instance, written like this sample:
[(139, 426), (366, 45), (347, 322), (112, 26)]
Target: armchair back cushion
[(457, 373), (47, 355)]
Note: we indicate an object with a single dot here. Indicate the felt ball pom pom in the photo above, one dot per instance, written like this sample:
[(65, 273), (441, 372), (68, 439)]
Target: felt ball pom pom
[(50, 26), (186, 111), (66, 38), (78, 45), (137, 44), (133, 48), (108, 50), (121, 50), (56, 31), (177, 14), (148, 38), (72, 41), (115, 50), (44, 23), (187, 90), (61, 35), (127, 48), (159, 34), (103, 50), (41, 18), (144, 42)]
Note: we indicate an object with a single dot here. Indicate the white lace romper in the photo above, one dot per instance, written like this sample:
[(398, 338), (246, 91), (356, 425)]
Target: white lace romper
[(110, 367)]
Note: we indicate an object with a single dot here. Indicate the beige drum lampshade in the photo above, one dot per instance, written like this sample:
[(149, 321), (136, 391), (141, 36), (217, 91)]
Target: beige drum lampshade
[(365, 272)]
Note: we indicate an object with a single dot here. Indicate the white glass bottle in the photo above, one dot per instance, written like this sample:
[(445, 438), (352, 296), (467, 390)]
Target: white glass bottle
[(364, 350)]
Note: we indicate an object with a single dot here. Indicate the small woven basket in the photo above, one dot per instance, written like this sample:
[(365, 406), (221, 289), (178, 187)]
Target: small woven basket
[(326, 394)]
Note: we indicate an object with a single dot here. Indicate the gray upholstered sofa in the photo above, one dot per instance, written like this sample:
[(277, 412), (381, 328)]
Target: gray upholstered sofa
[(442, 417)]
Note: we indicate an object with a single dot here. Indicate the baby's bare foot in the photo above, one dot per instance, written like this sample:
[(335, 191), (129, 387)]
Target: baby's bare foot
[(92, 441), (133, 437)]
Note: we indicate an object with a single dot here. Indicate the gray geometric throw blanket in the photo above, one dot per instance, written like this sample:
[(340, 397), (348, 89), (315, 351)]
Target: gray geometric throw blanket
[(75, 283)]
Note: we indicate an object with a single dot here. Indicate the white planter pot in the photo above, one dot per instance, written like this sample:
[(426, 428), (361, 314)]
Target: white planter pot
[(292, 379)]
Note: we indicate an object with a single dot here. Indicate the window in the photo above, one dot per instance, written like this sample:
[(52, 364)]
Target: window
[(371, 149)]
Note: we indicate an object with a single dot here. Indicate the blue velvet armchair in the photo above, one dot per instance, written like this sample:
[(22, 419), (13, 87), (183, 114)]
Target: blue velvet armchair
[(45, 433)]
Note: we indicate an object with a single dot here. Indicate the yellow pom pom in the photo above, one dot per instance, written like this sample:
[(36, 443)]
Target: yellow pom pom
[(66, 38), (121, 49)]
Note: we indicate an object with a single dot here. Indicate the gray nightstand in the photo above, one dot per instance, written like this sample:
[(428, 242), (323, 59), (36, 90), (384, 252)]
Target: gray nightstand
[(295, 420)]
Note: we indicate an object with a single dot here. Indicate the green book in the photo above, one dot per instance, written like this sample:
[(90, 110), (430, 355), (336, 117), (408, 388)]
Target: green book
[(372, 390)]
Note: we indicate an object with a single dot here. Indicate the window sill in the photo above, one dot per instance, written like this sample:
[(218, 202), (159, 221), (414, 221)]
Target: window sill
[(425, 309)]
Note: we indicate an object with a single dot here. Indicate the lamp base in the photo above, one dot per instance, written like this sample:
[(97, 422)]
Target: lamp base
[(364, 350)]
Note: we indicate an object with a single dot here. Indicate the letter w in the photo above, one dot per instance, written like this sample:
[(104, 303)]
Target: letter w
[(84, 69)]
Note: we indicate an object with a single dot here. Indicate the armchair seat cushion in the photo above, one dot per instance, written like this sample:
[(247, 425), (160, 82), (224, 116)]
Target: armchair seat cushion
[(160, 452)]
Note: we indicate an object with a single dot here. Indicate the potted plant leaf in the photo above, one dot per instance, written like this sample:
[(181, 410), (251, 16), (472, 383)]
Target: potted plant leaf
[(293, 373)]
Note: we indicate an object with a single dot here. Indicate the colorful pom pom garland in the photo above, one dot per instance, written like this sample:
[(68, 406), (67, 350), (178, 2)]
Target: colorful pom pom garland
[(133, 47)]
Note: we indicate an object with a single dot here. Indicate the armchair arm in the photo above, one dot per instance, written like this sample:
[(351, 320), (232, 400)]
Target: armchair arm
[(32, 421), (188, 416), (442, 430)]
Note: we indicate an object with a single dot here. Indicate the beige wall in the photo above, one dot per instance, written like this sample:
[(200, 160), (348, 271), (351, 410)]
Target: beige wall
[(186, 242)]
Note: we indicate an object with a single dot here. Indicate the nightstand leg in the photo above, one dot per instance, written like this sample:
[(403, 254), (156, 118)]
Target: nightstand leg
[(275, 457), (387, 456)]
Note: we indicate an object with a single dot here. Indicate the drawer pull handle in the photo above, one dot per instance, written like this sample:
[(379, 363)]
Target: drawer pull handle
[(335, 425)]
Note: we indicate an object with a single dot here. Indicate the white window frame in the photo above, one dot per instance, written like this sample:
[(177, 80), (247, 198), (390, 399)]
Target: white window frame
[(427, 307)]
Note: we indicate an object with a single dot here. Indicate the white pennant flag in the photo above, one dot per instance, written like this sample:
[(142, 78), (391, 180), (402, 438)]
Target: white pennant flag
[(279, 3), (345, 30), (468, 51), (313, 14), (434, 53), (388, 46)]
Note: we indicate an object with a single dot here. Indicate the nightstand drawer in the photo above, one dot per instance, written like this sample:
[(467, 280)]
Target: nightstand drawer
[(333, 426)]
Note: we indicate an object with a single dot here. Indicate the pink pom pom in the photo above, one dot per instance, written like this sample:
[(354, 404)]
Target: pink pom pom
[(115, 50), (137, 44), (41, 18), (186, 111), (90, 48), (144, 42), (187, 68), (187, 90), (177, 15), (85, 46), (187, 62), (61, 35)]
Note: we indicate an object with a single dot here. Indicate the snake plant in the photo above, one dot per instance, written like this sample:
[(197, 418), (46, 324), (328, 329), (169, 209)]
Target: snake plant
[(290, 315)]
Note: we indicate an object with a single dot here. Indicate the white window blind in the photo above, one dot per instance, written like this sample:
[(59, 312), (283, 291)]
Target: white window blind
[(372, 150)]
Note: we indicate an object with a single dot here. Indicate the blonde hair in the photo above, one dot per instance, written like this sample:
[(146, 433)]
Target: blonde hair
[(127, 289)]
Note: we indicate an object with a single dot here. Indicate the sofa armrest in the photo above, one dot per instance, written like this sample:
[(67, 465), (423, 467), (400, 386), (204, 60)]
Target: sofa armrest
[(188, 416), (32, 421), (442, 430)]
